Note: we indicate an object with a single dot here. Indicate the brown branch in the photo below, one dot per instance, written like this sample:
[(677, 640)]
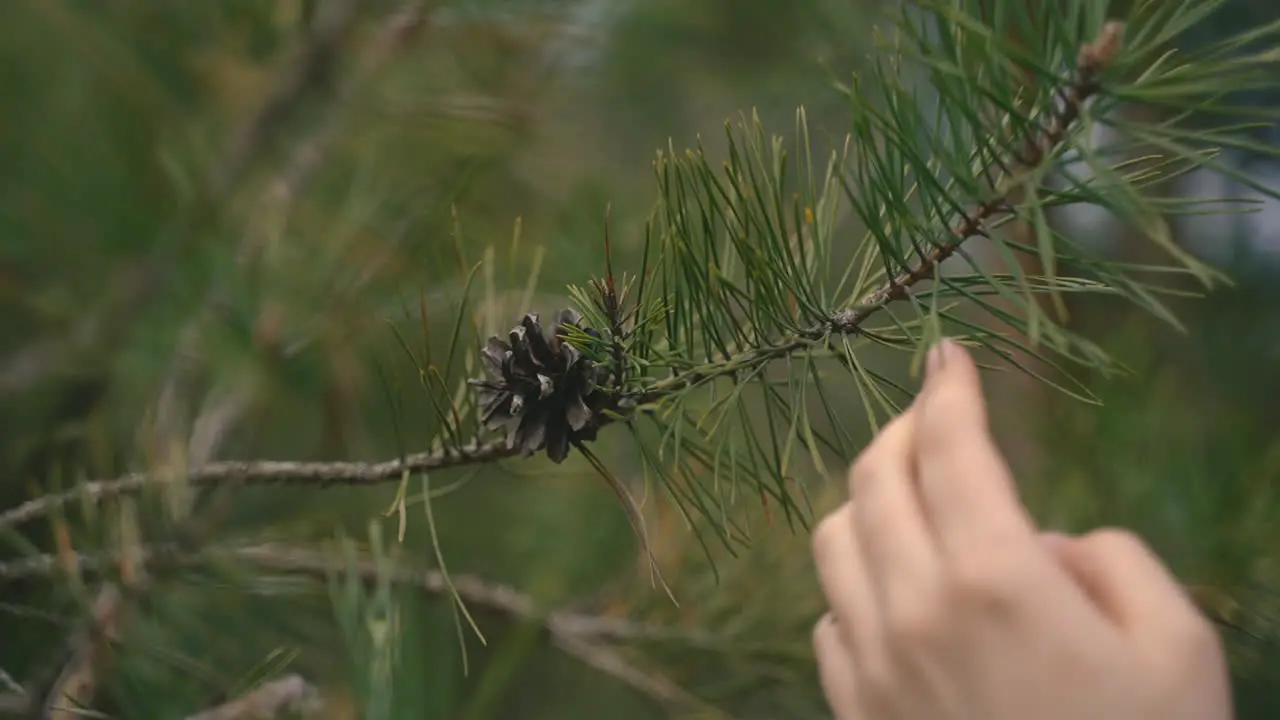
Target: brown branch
[(289, 694), (14, 703), (610, 661), (73, 688), (15, 700), (589, 638), (319, 564), (269, 472)]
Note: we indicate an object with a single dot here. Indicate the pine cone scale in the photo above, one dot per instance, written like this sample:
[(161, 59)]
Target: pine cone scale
[(540, 389)]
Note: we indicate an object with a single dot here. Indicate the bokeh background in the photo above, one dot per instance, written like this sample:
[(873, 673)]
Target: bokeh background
[(203, 246)]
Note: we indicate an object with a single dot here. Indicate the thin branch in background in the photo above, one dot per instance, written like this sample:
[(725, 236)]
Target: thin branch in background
[(611, 662), (9, 683), (28, 365), (320, 564), (270, 472), (311, 68), (74, 686), (394, 38), (14, 700), (297, 80), (589, 638), (72, 690), (290, 694), (307, 157)]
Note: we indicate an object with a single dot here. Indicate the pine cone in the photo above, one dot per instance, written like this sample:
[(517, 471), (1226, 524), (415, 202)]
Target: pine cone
[(541, 390)]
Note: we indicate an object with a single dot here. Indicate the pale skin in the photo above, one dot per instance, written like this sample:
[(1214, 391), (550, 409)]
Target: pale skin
[(948, 603)]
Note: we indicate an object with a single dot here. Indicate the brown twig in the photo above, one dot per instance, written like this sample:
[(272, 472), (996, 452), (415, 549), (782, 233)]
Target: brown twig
[(14, 703), (289, 694), (590, 638), (610, 661), (15, 700), (319, 564), (73, 688), (269, 472)]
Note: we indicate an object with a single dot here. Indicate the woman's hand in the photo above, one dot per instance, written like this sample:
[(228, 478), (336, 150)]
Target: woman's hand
[(947, 603)]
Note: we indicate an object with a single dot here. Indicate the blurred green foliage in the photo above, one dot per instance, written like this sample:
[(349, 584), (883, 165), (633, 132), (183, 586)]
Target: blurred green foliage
[(499, 127), (118, 236)]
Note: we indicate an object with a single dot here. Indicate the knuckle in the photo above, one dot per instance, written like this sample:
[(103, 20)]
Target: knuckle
[(1194, 651), (866, 469), (823, 539), (915, 623), (1116, 539), (820, 637), (994, 581), (877, 679), (1196, 637)]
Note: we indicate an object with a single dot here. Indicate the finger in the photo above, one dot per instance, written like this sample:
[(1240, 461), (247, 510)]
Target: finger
[(842, 575), (836, 670), (888, 519), (1126, 580), (967, 491), (1053, 541)]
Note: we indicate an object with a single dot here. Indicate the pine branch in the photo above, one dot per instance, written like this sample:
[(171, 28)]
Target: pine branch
[(1092, 60)]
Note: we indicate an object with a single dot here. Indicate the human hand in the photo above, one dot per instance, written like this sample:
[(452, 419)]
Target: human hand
[(948, 604)]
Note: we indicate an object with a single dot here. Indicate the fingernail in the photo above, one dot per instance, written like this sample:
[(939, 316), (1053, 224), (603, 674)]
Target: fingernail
[(937, 357)]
